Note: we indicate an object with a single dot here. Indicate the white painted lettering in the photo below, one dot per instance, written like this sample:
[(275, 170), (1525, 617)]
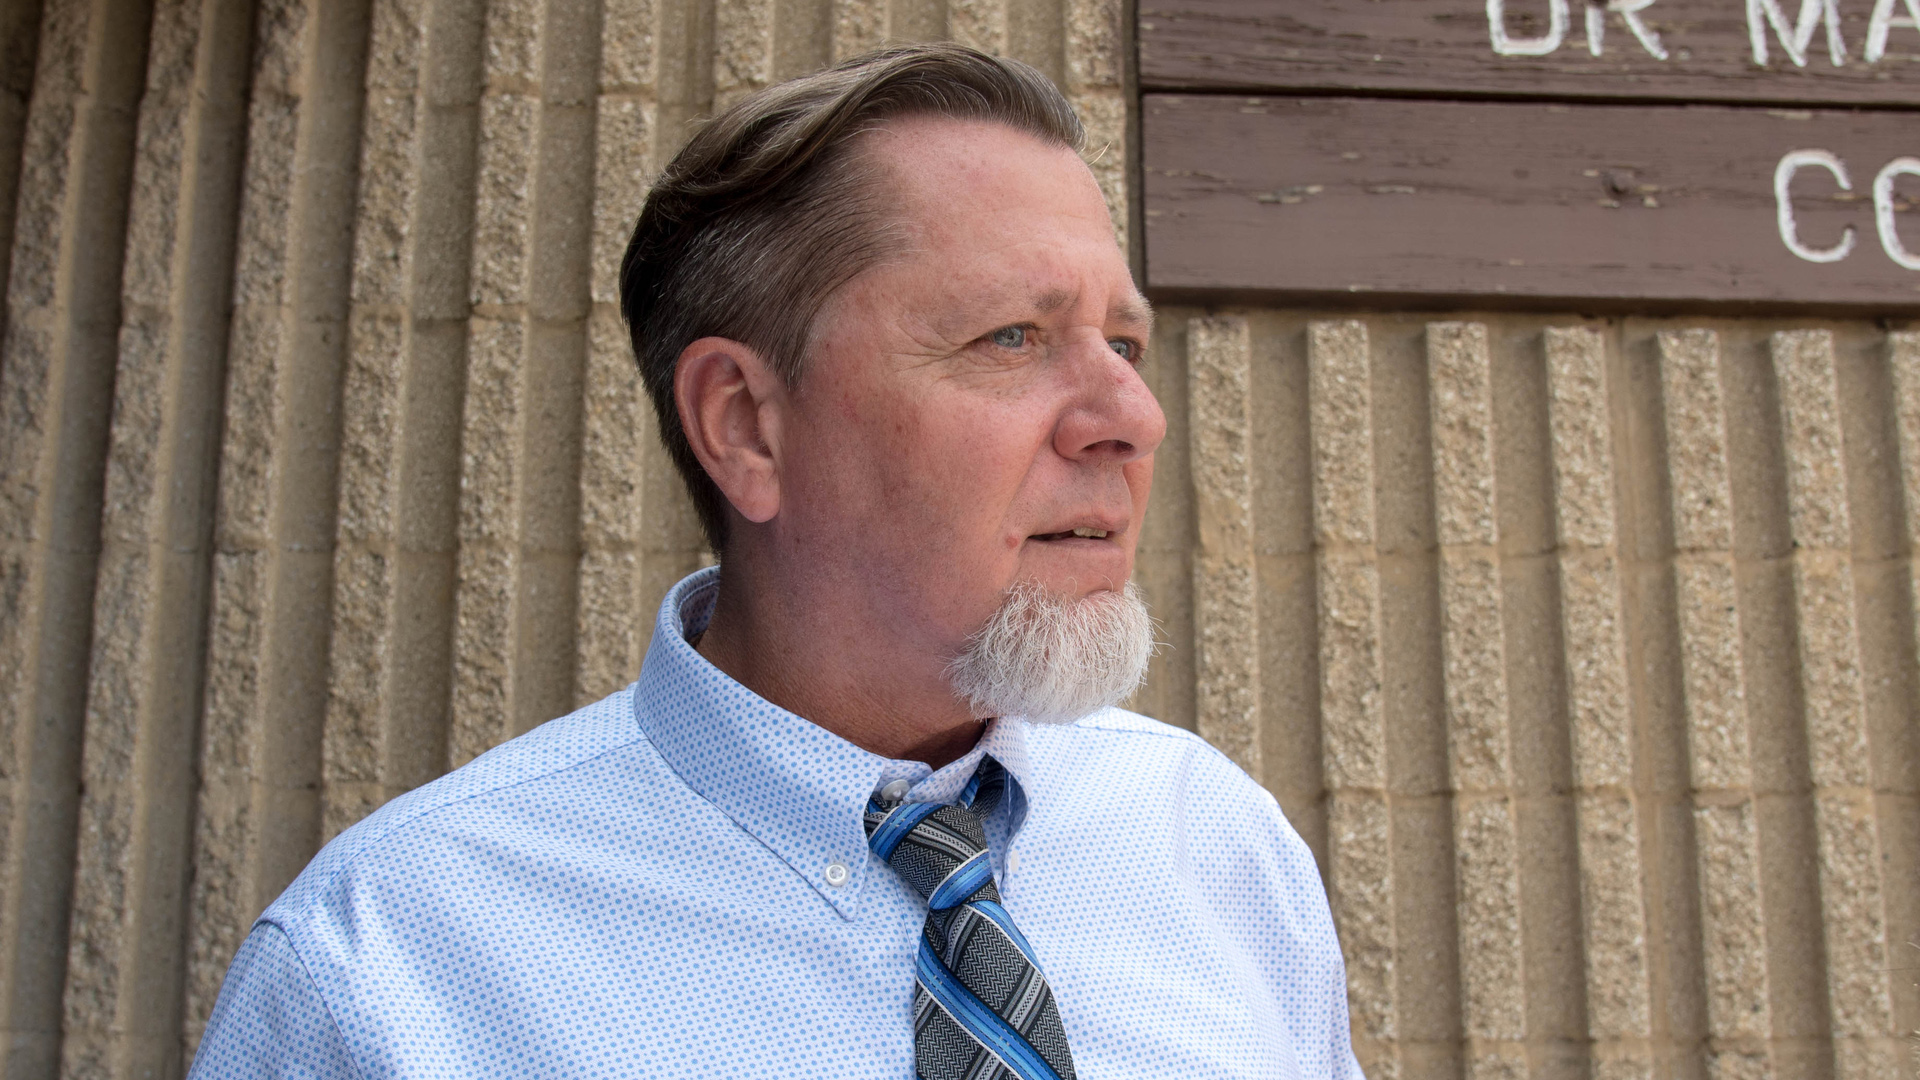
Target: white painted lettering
[(1793, 162), (1629, 12), (1884, 20), (1883, 210), (1539, 46), (1762, 14)]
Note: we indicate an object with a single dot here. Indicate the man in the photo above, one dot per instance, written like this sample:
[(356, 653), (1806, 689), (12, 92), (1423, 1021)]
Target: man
[(868, 811)]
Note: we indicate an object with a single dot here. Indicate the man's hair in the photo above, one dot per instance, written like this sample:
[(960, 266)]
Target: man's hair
[(769, 209)]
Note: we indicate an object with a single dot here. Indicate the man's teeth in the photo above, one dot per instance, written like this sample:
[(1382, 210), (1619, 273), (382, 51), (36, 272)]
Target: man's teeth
[(1097, 534)]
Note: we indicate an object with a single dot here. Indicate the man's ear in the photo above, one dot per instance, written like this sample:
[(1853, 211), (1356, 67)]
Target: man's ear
[(731, 401)]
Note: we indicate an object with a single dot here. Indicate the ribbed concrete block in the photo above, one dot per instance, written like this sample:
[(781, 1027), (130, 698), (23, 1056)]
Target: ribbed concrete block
[(1104, 113), (224, 898), (126, 966), (56, 372), (1696, 426), (1473, 660), (389, 151), (1460, 400), (488, 567), (1360, 888), (743, 50), (1492, 959), (1348, 585), (1711, 665), (1726, 832), (1353, 733), (982, 24), (1342, 418), (1830, 670), (514, 660), (1851, 888), (858, 25), (1738, 1010), (1815, 448), (1595, 667), (1352, 721), (512, 46), (489, 506), (386, 699), (1613, 919), (500, 221), (1850, 901), (1226, 611), (1903, 358), (1612, 873), (1579, 401), (619, 431), (628, 41), (624, 136), (267, 653), (1094, 44), (354, 748)]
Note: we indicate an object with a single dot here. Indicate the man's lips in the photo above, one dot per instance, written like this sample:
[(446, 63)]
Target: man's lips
[(1083, 532)]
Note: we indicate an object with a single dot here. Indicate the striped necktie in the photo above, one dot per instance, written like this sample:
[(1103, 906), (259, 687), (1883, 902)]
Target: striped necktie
[(981, 1008)]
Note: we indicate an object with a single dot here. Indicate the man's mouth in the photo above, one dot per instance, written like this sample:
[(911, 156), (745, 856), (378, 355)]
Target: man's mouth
[(1081, 533)]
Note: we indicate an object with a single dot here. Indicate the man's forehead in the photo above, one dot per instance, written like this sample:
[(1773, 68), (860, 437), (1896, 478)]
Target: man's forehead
[(1128, 308), (937, 166), (982, 187)]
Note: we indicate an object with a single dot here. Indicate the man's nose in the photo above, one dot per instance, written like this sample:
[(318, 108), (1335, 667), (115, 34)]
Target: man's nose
[(1113, 417)]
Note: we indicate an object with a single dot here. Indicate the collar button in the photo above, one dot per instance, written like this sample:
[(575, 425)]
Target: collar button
[(836, 874)]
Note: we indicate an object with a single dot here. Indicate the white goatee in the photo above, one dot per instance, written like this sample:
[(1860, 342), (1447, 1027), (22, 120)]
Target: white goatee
[(1053, 659)]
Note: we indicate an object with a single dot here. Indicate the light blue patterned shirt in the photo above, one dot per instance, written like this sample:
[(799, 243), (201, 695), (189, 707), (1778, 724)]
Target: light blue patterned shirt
[(648, 888)]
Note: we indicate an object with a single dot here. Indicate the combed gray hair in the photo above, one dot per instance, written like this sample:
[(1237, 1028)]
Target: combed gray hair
[(1053, 659)]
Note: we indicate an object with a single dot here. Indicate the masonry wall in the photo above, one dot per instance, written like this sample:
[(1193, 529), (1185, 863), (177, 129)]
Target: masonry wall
[(1582, 652)]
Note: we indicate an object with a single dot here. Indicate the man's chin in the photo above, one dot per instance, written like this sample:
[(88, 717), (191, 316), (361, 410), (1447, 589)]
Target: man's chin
[(1052, 657)]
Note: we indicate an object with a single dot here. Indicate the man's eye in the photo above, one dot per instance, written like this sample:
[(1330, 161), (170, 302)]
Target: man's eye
[(1124, 347), (1009, 337)]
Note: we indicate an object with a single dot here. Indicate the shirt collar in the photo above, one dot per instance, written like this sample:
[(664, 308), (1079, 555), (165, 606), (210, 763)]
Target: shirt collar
[(793, 785)]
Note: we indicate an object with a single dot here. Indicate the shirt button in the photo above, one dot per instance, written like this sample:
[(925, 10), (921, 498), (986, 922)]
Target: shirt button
[(1013, 861), (836, 874), (895, 791)]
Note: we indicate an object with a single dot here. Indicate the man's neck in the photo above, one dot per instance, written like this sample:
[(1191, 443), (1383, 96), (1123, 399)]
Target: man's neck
[(849, 678)]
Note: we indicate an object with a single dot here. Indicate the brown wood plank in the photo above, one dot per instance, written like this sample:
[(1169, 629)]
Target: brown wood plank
[(1319, 196), (1446, 47)]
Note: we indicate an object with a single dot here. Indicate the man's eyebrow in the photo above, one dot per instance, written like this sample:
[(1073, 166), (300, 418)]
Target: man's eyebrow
[(1132, 311), (1052, 300)]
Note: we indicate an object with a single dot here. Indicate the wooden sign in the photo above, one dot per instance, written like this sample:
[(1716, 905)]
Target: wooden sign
[(1810, 52), (1313, 197)]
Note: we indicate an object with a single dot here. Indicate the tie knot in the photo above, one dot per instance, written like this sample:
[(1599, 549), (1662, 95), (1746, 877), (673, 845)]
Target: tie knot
[(941, 850)]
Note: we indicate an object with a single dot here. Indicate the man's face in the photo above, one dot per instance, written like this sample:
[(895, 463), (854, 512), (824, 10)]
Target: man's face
[(970, 403)]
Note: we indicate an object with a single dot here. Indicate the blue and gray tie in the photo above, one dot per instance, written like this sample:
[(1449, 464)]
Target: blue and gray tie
[(981, 1008)]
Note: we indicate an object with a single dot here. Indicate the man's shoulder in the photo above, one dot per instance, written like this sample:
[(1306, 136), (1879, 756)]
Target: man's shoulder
[(1114, 718), (1145, 750), (1155, 740), (547, 773)]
